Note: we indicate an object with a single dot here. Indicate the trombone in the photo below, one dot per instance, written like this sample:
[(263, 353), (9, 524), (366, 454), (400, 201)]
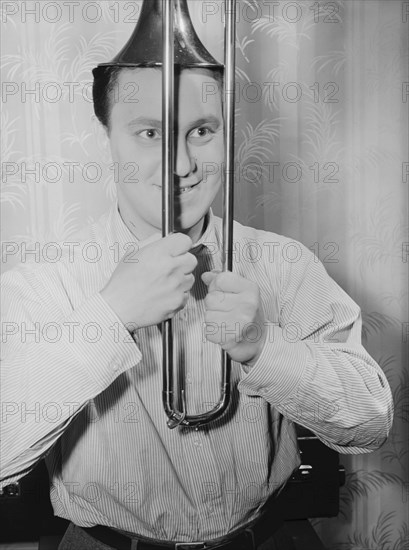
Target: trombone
[(181, 417), (165, 37)]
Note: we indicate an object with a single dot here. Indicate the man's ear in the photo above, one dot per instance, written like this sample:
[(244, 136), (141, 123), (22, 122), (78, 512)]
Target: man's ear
[(102, 139)]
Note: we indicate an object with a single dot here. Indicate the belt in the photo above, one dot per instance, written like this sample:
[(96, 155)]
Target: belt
[(246, 538)]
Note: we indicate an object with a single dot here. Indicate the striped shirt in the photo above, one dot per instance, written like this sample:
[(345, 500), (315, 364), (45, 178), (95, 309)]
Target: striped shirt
[(78, 389)]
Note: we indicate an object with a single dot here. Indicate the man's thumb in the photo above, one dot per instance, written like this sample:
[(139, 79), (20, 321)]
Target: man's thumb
[(209, 276)]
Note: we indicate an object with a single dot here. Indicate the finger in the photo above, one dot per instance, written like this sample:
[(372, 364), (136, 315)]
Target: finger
[(182, 305), (212, 328), (181, 266), (209, 276), (190, 261), (188, 282), (219, 331), (230, 282), (219, 301), (178, 243), (185, 263), (216, 318)]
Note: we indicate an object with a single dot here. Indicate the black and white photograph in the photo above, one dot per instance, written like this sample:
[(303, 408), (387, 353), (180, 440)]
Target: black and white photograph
[(204, 275)]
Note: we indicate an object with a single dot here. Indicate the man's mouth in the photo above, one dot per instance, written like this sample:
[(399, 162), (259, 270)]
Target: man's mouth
[(181, 190), (187, 189)]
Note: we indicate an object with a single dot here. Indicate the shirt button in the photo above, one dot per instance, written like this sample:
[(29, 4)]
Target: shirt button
[(264, 391), (115, 367), (197, 443)]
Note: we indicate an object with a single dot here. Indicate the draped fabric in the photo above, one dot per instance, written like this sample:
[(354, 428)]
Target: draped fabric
[(322, 157)]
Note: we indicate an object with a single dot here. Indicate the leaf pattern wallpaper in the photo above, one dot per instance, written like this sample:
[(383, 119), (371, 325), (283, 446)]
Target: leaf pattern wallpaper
[(322, 157)]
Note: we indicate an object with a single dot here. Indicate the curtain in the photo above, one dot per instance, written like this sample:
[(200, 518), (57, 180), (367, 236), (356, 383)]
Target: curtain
[(322, 157)]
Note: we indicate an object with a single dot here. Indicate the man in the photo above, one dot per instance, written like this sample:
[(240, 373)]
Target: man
[(292, 333)]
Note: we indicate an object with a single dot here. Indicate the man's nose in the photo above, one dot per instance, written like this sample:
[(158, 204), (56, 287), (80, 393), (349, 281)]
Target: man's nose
[(184, 161)]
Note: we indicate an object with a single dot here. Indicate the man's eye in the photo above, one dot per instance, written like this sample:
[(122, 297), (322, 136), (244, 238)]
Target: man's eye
[(202, 131), (151, 134)]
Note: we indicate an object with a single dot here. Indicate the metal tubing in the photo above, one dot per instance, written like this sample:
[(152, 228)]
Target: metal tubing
[(167, 181), (176, 417), (229, 130), (168, 119), (229, 103)]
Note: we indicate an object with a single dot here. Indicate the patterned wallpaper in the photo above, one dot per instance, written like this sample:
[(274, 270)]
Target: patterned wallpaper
[(322, 157)]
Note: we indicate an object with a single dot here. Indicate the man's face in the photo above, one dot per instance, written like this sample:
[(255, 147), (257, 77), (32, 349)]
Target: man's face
[(136, 146)]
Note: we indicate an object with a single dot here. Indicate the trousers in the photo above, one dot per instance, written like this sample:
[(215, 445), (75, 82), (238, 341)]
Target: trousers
[(76, 538)]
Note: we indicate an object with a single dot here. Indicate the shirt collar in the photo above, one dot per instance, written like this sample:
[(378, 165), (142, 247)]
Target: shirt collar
[(118, 231)]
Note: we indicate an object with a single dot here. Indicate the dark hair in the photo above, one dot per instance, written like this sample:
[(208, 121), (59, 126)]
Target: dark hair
[(106, 78)]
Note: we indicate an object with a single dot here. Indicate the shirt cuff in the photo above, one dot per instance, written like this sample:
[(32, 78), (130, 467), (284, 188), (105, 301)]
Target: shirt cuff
[(278, 371), (101, 342)]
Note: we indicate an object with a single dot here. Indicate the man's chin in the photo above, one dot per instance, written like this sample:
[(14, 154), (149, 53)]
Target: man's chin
[(192, 227)]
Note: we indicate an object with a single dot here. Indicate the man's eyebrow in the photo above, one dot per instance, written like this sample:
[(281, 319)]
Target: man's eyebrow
[(211, 119), (157, 124), (146, 122)]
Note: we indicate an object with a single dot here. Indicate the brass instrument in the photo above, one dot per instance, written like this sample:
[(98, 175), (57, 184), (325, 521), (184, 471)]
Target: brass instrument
[(165, 37)]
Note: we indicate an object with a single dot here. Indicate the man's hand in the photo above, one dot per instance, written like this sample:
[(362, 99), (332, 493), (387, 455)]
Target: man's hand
[(234, 316), (152, 285)]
